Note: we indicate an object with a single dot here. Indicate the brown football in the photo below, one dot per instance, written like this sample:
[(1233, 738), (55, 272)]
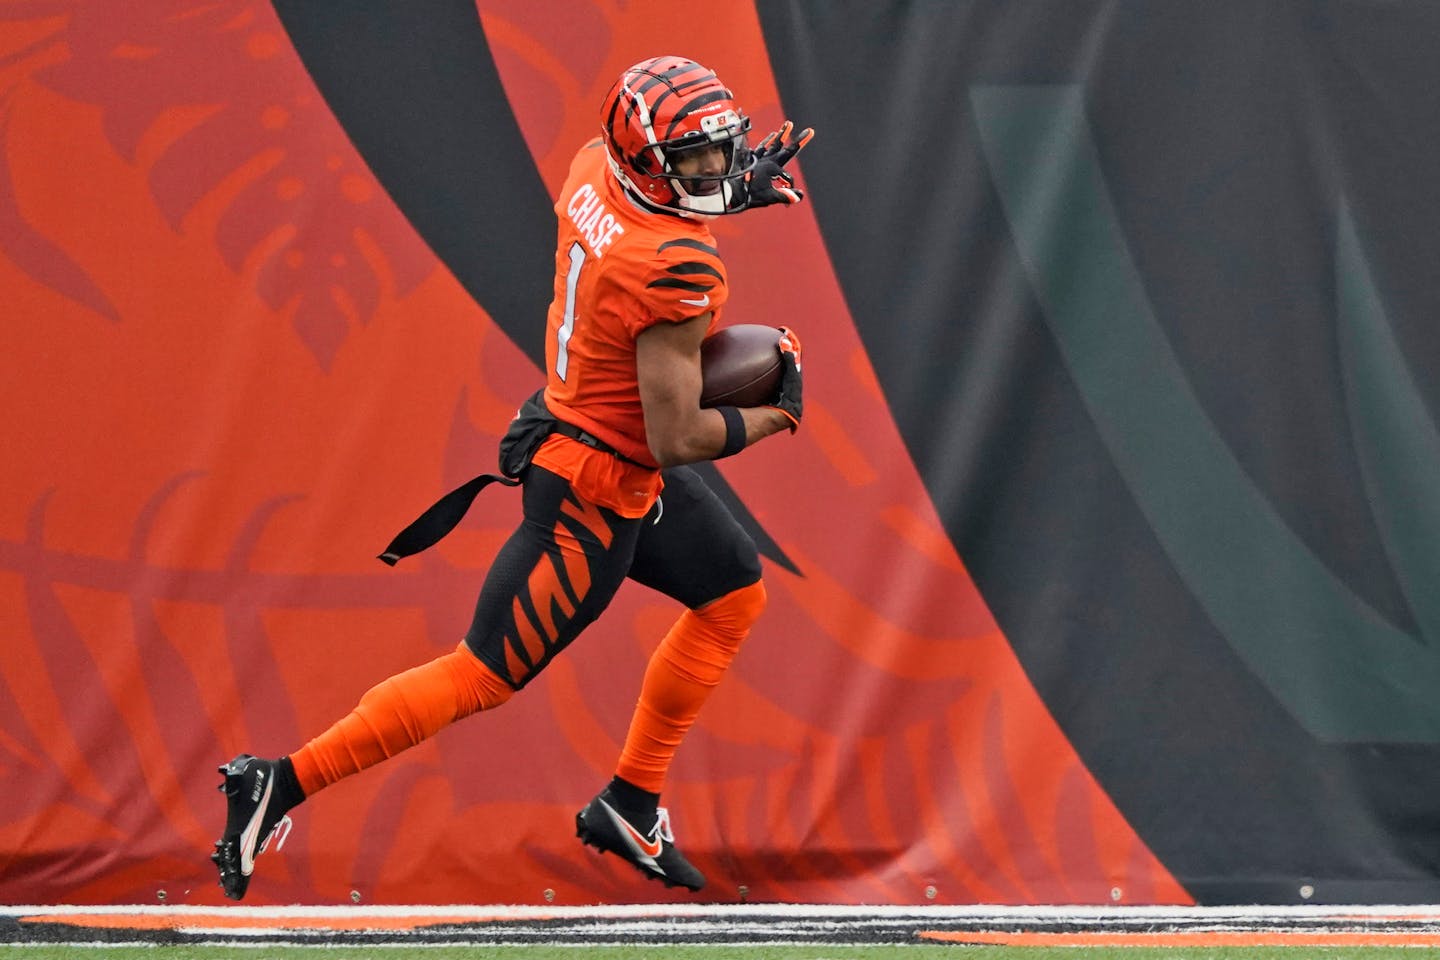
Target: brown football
[(740, 366)]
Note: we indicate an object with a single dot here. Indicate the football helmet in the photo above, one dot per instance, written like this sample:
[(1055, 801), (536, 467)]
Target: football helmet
[(657, 111)]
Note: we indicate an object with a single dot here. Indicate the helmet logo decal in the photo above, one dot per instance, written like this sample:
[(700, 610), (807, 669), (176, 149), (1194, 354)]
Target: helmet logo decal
[(721, 122)]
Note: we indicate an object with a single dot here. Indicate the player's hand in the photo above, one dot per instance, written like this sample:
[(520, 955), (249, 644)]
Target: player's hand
[(767, 182), (790, 401)]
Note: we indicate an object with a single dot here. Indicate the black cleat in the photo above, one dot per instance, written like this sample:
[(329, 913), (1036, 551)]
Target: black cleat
[(652, 851), (251, 821)]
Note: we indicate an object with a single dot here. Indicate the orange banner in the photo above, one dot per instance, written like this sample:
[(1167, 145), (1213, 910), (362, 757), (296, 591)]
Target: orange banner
[(234, 369)]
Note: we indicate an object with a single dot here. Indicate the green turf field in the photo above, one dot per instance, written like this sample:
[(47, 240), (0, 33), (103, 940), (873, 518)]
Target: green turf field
[(712, 952)]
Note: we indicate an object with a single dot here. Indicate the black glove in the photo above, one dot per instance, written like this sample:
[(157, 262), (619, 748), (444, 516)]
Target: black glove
[(767, 182), (789, 401)]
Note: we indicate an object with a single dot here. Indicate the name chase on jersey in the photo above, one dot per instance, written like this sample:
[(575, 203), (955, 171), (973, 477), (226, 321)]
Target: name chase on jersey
[(619, 270), (597, 226)]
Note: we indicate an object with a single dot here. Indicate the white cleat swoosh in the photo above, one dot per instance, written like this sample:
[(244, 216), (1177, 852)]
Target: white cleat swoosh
[(643, 847), (250, 836)]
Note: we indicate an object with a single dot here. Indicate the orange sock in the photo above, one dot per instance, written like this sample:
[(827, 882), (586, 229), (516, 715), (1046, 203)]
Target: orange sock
[(687, 665), (398, 713)]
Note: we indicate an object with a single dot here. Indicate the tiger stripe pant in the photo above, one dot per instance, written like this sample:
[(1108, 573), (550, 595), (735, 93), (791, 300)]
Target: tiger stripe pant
[(564, 563)]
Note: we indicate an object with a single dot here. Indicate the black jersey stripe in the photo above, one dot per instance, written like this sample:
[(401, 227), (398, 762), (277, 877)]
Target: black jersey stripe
[(679, 284), (692, 267), (692, 244)]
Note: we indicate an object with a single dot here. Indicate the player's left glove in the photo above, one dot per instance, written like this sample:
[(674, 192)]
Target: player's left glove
[(767, 182), (789, 401)]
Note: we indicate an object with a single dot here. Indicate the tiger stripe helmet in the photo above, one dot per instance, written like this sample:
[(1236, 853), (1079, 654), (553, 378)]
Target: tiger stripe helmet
[(656, 110)]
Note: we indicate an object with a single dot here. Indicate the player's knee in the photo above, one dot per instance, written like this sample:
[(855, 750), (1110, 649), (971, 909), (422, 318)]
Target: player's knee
[(706, 639), (736, 612)]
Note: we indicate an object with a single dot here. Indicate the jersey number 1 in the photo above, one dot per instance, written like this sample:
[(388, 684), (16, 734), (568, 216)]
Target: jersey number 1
[(567, 328)]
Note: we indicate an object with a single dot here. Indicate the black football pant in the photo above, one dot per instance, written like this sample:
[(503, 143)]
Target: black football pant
[(561, 567)]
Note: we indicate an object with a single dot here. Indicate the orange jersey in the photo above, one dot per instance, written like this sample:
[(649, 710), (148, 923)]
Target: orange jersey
[(618, 270)]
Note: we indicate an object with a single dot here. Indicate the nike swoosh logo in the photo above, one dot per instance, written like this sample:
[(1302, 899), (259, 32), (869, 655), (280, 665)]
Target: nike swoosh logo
[(249, 839), (641, 843), (704, 301)]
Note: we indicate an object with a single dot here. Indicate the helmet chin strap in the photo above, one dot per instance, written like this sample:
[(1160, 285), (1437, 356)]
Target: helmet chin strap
[(711, 205), (687, 205)]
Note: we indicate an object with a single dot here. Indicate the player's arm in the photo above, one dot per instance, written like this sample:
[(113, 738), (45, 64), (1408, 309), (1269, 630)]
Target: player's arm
[(667, 363)]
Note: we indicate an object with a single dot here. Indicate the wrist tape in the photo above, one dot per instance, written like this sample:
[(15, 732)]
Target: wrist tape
[(734, 432)]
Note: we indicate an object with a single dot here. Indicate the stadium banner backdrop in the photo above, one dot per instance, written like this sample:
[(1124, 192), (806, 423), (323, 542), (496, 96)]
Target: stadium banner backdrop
[(1103, 569)]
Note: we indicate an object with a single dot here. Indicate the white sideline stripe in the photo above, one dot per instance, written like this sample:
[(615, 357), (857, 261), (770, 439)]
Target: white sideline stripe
[(479, 912)]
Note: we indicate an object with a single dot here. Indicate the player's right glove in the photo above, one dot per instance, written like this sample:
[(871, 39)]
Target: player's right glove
[(789, 401), (767, 182)]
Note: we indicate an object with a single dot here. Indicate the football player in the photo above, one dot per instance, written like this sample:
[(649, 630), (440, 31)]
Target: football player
[(639, 283)]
